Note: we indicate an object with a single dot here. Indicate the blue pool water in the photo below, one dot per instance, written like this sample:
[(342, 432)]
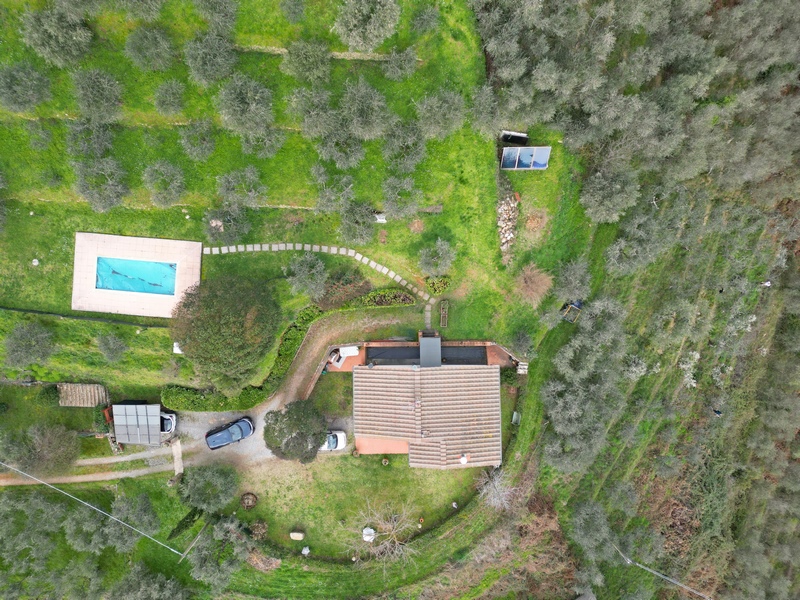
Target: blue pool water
[(125, 275)]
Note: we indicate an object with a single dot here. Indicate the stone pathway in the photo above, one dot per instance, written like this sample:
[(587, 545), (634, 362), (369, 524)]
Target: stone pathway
[(341, 251), (177, 457)]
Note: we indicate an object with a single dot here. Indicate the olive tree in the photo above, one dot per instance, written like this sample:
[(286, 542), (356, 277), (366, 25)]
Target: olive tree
[(307, 275), (210, 488), (87, 139), (307, 61), (242, 187), (405, 148), (57, 37), (400, 197), (210, 57), (197, 140), (112, 347), (143, 584), (220, 552), (426, 20), (137, 511), (22, 87), (101, 181), (485, 115), (400, 65), (606, 195), (437, 260), (220, 14), (99, 95), (169, 97), (245, 107), (165, 182), (146, 10), (440, 114), (48, 449), (364, 111), (364, 24), (357, 222), (150, 48), (27, 344), (293, 10)]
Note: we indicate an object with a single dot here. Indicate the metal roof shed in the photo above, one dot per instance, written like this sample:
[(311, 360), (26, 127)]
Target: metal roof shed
[(137, 424)]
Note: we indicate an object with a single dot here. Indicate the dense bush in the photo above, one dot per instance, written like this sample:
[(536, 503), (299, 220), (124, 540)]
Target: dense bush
[(296, 433), (225, 327), (573, 282), (55, 36), (28, 343), (400, 65), (387, 297), (227, 224), (293, 10), (440, 114), (180, 398), (209, 488), (22, 87), (101, 181), (220, 14), (210, 57), (364, 24), (291, 341), (606, 195), (78, 9), (165, 182), (341, 147), (533, 284), (99, 95), (99, 419), (242, 188), (343, 285), (307, 275), (220, 552), (437, 260), (307, 61), (197, 140), (169, 97), (141, 583), (113, 348), (150, 48), (438, 285)]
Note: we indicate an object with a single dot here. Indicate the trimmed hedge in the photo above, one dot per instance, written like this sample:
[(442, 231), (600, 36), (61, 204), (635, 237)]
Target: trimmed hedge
[(386, 297), (290, 343), (180, 398)]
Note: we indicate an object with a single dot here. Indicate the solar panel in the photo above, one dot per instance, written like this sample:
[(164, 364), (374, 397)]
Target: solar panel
[(137, 424), (525, 159)]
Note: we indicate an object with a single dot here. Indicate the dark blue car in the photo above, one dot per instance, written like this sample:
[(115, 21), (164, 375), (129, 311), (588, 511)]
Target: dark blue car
[(230, 433)]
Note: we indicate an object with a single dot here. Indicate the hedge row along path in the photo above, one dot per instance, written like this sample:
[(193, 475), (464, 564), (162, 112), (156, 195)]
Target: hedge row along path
[(328, 250)]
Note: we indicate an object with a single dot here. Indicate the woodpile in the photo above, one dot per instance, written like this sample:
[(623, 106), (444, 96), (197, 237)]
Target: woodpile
[(507, 213)]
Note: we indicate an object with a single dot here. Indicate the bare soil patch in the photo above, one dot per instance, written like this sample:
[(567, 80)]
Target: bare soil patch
[(417, 226), (383, 236), (536, 221), (263, 563)]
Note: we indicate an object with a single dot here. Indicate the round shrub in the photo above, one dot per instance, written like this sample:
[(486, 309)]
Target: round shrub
[(293, 10), (426, 20), (440, 114), (57, 37), (169, 97), (146, 10), (220, 14), (99, 95), (364, 24), (22, 87), (210, 57), (165, 182), (363, 111), (150, 49), (245, 106)]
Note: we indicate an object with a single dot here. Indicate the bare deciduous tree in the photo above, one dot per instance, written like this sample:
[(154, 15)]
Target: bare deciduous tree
[(382, 533), (495, 489)]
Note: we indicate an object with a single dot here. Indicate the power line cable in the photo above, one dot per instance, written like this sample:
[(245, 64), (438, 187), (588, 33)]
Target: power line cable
[(662, 576), (102, 512)]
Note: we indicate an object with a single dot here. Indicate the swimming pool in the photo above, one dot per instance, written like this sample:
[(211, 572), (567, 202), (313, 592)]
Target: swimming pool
[(144, 276)]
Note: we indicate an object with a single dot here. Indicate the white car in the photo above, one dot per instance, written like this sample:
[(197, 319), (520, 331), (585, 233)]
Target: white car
[(336, 440)]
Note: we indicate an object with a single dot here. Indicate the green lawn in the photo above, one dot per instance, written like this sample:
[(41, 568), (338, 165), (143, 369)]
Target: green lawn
[(31, 405), (333, 395), (324, 498)]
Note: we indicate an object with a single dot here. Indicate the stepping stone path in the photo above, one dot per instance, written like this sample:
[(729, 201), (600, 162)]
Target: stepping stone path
[(330, 250)]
